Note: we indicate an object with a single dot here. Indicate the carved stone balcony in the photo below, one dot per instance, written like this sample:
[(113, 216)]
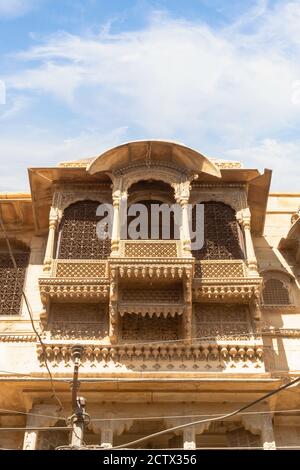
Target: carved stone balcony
[(76, 279), (151, 259), (224, 280), (174, 357)]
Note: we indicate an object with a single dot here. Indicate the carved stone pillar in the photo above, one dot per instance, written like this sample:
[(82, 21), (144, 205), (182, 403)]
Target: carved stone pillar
[(188, 308), (182, 196), (261, 424), (120, 212), (189, 438), (113, 307), (189, 433), (251, 257), (31, 436), (107, 434), (115, 238), (267, 432), (109, 427), (49, 255)]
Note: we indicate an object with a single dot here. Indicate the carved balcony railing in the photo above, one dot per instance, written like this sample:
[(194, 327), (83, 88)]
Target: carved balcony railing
[(173, 357), (224, 279), (72, 268), (76, 279), (150, 248)]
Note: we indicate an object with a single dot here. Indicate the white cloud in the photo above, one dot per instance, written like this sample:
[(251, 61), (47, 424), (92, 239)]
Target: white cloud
[(12, 109), (176, 75), (14, 8), (37, 148), (279, 156), (215, 89)]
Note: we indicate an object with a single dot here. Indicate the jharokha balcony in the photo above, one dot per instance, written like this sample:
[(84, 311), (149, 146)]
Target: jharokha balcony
[(151, 305)]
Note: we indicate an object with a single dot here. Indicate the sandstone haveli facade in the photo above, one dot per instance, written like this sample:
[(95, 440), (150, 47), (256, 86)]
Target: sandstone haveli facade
[(167, 332)]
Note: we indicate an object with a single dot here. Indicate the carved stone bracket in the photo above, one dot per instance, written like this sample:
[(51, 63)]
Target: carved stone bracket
[(261, 424), (188, 433), (108, 427), (137, 268)]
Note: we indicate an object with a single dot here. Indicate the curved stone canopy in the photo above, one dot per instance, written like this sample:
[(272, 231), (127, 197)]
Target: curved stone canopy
[(151, 152)]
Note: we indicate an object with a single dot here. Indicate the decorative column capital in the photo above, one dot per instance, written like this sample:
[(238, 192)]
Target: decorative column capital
[(108, 426), (244, 218), (182, 192)]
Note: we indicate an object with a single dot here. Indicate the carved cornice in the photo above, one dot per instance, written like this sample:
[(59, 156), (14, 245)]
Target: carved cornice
[(283, 308), (71, 289), (281, 332), (227, 289), (17, 338), (197, 356)]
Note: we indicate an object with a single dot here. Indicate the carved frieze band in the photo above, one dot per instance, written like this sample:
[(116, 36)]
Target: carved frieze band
[(87, 289), (175, 354), (146, 268), (243, 289)]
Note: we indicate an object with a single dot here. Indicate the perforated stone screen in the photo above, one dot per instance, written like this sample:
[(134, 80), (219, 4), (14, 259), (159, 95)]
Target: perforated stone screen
[(222, 234), (12, 282), (275, 293), (78, 238), (222, 321)]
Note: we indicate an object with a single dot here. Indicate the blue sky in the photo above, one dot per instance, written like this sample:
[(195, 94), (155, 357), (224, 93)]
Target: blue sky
[(84, 75)]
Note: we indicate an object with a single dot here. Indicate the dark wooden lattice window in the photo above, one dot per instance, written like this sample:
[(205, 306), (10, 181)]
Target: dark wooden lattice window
[(12, 279), (78, 238), (222, 234), (137, 328), (275, 293)]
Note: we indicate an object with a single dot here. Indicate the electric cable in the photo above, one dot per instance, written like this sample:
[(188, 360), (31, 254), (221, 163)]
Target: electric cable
[(219, 418), (28, 306), (145, 418)]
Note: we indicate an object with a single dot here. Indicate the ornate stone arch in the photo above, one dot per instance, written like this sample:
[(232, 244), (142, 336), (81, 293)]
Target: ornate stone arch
[(69, 198), (169, 174)]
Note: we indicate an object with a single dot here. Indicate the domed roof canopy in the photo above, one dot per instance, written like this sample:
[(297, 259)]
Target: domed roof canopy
[(151, 152)]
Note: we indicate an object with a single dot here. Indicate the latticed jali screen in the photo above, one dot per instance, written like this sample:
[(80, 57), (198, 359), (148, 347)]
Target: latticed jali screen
[(71, 269), (222, 321), (152, 295), (12, 282), (78, 237), (223, 270), (140, 249), (275, 293), (222, 234), (78, 321), (136, 328)]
